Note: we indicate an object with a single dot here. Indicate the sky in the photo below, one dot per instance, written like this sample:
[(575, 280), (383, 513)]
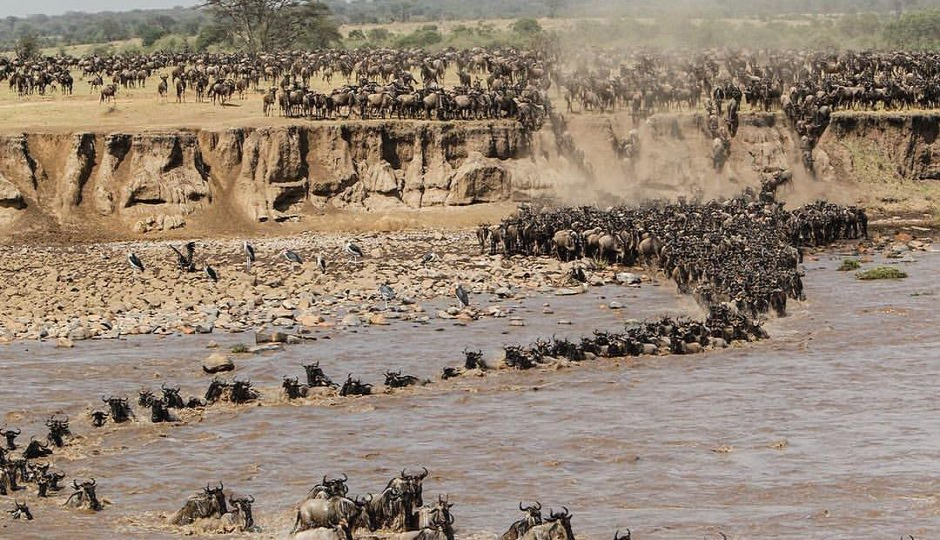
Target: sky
[(21, 8)]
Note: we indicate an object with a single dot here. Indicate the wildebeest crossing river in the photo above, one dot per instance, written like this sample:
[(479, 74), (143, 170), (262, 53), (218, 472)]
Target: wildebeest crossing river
[(831, 428)]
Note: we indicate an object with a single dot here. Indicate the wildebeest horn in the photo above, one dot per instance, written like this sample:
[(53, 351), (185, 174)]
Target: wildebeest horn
[(324, 480), (521, 509), (250, 498), (75, 483), (104, 399), (345, 477), (221, 485), (425, 473), (93, 482), (403, 473), (538, 505)]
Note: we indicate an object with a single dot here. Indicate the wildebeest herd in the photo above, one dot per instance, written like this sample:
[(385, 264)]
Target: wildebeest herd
[(742, 253)]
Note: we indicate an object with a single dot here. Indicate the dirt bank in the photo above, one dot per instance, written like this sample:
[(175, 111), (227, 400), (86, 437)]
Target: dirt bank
[(117, 185)]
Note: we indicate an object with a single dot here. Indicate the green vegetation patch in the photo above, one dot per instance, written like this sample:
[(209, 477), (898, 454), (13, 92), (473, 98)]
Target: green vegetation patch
[(849, 264), (881, 272), (239, 348)]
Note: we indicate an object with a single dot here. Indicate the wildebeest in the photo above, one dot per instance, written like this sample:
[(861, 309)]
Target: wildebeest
[(240, 518), (557, 527), (438, 513), (355, 387), (98, 418), (316, 377), (120, 409), (36, 449), (10, 435), (315, 513), (58, 429), (329, 487), (519, 528), (394, 379), (293, 389), (208, 503), (340, 531), (20, 510), (172, 397), (84, 496)]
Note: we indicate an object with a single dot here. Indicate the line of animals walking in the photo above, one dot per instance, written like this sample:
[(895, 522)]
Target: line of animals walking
[(741, 253)]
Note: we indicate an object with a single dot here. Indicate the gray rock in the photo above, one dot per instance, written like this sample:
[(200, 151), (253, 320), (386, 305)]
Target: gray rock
[(351, 320), (628, 278), (615, 305), (503, 292), (217, 363)]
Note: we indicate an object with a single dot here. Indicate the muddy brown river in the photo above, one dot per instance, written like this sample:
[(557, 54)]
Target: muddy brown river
[(830, 429)]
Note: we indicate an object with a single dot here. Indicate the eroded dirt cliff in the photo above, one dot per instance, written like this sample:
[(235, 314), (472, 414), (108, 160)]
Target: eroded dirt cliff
[(155, 182)]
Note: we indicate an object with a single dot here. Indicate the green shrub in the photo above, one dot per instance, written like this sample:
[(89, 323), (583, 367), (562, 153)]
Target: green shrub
[(239, 348), (881, 272), (849, 264)]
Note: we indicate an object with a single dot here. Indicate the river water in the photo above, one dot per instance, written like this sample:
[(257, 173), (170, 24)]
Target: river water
[(830, 429)]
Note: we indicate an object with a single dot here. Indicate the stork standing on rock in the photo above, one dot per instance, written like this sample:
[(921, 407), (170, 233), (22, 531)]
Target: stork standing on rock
[(249, 255), (321, 263), (135, 262), (462, 297), (185, 262), (353, 250), (213, 275), (292, 257), (387, 293), (428, 258)]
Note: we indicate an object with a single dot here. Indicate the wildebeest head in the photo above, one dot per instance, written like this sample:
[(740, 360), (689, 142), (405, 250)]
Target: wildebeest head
[(172, 397), (624, 537), (411, 485), (85, 495), (159, 411), (20, 510), (215, 390), (216, 497), (58, 428), (36, 449), (242, 506), (120, 408), (98, 418), (242, 392), (145, 398), (534, 513), (293, 388), (10, 435), (564, 518), (474, 360)]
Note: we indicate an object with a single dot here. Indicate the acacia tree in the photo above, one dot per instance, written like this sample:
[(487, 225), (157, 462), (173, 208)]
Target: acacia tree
[(269, 25)]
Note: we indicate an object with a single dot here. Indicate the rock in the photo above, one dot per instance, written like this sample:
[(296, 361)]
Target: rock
[(516, 322), (479, 180), (217, 363), (649, 348), (564, 322), (453, 311), (503, 292), (309, 320), (615, 305), (378, 319), (719, 343), (10, 197), (64, 343), (568, 291), (351, 320), (273, 337), (628, 278)]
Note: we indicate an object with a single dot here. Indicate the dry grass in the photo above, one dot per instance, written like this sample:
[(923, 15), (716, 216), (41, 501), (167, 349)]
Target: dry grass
[(140, 109)]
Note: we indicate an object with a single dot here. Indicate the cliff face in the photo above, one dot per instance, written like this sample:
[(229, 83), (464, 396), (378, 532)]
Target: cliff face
[(153, 181), (129, 183)]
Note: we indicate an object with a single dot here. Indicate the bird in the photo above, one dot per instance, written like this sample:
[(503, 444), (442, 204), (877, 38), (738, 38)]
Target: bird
[(462, 296), (185, 262), (293, 257), (134, 261), (428, 258), (321, 263), (387, 293), (213, 275), (352, 250), (577, 273), (249, 255)]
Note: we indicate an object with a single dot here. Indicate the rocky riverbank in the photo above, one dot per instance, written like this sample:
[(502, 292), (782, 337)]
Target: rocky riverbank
[(90, 291)]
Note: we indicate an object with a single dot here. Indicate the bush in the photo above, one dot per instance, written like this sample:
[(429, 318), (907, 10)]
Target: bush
[(881, 272), (356, 35), (27, 47), (849, 264), (526, 27), (239, 348)]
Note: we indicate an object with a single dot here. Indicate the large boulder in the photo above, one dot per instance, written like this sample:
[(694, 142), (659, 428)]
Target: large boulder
[(217, 363), (10, 197), (479, 180)]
